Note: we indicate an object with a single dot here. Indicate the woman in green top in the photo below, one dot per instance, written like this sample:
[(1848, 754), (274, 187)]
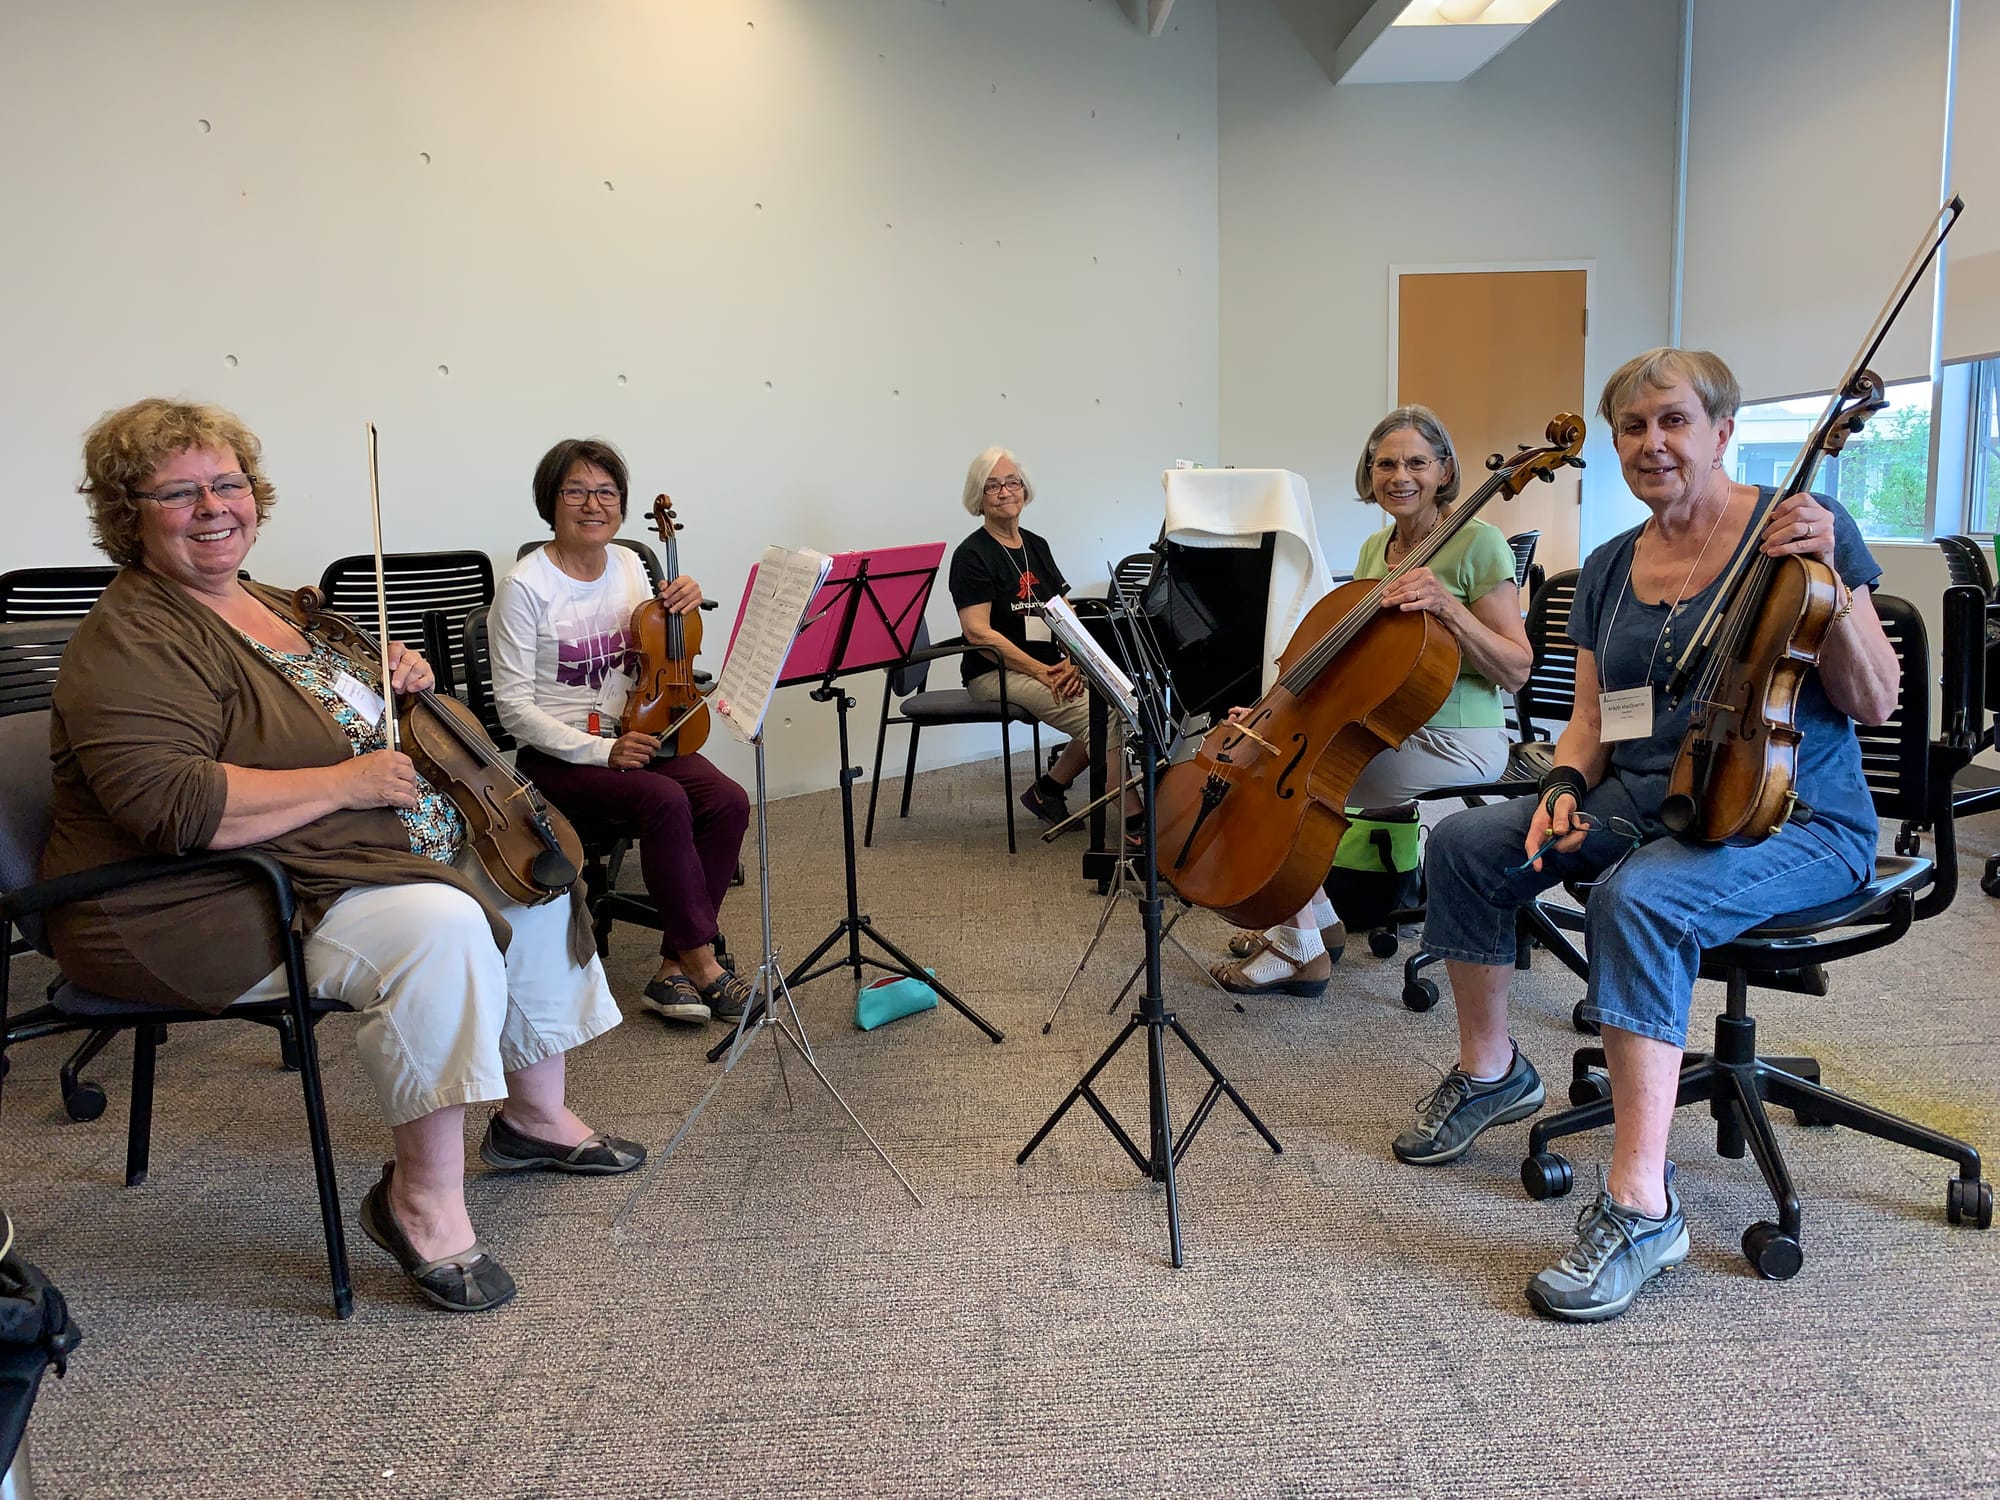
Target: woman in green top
[(1408, 469)]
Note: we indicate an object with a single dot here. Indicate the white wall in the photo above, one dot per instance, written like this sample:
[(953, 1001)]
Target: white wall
[(1561, 149), (800, 258)]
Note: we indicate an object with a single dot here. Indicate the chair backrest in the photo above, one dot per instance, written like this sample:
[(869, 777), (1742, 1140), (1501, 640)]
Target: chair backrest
[(418, 584), (1549, 697), (1965, 561), (27, 805), (1524, 544), (1134, 573), (51, 593), (30, 653), (648, 558), (478, 678), (911, 676), (1896, 756)]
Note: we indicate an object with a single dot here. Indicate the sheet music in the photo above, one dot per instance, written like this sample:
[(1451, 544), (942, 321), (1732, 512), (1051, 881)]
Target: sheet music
[(772, 612), (1092, 659)]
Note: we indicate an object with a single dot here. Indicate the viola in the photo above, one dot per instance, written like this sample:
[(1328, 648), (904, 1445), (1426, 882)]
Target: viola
[(1734, 777), (526, 846), (1248, 827), (665, 702)]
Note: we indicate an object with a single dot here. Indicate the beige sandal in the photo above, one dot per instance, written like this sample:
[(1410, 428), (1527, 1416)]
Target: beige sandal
[(1243, 943), (1308, 977)]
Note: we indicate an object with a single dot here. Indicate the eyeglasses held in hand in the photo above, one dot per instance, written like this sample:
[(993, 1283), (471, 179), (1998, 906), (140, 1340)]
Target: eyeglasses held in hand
[(574, 494), (1616, 826), (995, 486), (225, 487)]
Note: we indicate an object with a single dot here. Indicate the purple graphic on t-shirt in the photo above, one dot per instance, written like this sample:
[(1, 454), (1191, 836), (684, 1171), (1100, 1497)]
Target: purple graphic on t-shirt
[(586, 663)]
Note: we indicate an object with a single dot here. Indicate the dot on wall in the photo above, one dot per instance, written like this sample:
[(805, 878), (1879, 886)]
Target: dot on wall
[(621, 379), (424, 157), (229, 361), (203, 126), (608, 187), (444, 369)]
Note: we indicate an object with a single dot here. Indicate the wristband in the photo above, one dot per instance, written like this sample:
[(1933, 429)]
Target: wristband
[(1560, 779)]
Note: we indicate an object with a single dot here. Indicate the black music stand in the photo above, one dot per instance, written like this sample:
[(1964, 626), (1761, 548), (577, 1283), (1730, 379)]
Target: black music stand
[(1147, 718), (853, 628)]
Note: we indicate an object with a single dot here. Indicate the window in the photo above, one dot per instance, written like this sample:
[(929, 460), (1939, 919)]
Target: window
[(1982, 500), (1881, 476)]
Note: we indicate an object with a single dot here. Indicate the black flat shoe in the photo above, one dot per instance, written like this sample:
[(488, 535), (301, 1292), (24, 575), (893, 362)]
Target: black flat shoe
[(470, 1281), (508, 1150)]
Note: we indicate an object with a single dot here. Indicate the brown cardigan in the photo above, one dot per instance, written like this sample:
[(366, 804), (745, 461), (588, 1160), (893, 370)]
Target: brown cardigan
[(156, 692)]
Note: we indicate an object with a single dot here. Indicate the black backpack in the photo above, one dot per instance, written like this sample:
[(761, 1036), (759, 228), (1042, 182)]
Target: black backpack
[(35, 1332)]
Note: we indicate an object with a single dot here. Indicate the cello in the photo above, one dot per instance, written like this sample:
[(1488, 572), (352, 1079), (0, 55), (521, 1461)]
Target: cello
[(525, 845), (665, 702), (1734, 777), (1248, 827)]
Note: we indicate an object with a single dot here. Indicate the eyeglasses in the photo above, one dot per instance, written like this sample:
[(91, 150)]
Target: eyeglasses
[(225, 487), (995, 486), (576, 494), (1617, 827), (1416, 467)]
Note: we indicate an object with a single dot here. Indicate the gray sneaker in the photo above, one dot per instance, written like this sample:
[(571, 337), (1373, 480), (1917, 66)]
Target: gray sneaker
[(1617, 1251), (1458, 1110)]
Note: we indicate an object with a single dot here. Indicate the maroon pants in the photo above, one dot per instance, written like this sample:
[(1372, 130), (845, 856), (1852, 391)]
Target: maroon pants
[(687, 818)]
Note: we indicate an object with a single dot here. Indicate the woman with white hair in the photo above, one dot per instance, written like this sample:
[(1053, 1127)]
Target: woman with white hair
[(1001, 576)]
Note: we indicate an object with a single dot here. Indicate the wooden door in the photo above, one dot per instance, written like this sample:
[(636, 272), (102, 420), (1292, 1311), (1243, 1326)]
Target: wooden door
[(1496, 354)]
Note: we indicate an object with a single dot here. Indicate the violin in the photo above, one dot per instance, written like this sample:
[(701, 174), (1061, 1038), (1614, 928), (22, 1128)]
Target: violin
[(1248, 827), (665, 702), (1734, 777), (526, 846)]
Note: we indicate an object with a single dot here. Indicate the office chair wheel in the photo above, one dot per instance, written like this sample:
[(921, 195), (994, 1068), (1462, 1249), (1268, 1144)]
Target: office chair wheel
[(1908, 841), (86, 1101), (1775, 1255), (1966, 1202), (1592, 1088), (1420, 994), (1588, 1028), (1382, 942), (1547, 1175), (1990, 881)]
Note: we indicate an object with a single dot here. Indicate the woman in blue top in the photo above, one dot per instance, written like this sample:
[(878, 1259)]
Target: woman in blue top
[(1660, 901), (1407, 467)]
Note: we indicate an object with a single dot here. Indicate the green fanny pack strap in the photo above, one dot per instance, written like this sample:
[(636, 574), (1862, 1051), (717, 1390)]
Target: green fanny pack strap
[(1383, 845)]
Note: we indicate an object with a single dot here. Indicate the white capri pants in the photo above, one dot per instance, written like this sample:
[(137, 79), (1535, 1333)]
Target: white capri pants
[(1429, 759), (445, 1016)]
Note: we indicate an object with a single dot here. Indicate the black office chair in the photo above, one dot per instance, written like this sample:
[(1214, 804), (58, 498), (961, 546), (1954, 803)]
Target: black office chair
[(905, 692), (51, 593), (1528, 574), (1910, 777), (1542, 706), (26, 797), (428, 593), (1965, 560), (648, 558), (30, 655)]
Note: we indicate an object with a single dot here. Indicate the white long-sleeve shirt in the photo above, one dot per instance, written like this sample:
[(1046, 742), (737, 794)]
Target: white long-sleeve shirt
[(561, 648)]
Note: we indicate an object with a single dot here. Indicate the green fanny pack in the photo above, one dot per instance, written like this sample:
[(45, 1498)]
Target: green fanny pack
[(1375, 869), (1387, 846)]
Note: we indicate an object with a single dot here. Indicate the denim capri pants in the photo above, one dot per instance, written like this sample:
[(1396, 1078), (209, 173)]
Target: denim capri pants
[(1646, 926)]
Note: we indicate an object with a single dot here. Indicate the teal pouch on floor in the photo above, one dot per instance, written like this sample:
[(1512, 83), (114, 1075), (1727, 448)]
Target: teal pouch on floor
[(891, 999)]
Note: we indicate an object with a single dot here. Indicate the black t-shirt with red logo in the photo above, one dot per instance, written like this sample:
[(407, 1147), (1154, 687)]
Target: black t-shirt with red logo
[(1016, 581)]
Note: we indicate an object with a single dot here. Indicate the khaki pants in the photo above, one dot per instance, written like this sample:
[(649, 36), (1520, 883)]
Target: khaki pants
[(445, 1016), (1070, 716)]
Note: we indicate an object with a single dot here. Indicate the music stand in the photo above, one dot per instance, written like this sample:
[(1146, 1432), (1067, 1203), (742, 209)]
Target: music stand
[(863, 618), (1144, 710), (743, 694)]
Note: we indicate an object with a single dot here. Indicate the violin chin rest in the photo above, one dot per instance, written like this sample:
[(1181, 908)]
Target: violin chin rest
[(552, 872)]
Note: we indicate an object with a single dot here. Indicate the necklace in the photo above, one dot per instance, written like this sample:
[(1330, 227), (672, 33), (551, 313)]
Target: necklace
[(1673, 609)]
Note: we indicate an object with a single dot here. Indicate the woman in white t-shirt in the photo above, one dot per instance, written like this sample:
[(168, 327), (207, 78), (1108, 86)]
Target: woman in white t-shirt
[(563, 660)]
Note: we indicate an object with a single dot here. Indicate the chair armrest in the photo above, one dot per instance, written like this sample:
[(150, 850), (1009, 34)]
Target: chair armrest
[(437, 651), (958, 645), (45, 895)]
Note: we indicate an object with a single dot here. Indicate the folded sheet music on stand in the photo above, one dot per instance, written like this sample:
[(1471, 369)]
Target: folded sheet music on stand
[(774, 605), (1092, 660)]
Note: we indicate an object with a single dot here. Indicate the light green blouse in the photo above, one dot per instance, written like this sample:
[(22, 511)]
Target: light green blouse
[(1472, 564)]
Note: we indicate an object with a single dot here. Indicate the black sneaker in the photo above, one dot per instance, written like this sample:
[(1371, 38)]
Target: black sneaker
[(1047, 800), (1617, 1251), (1459, 1110), (726, 996)]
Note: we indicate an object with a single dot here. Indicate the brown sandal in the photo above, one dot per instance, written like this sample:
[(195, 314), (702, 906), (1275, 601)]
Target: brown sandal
[(1243, 943), (1308, 978)]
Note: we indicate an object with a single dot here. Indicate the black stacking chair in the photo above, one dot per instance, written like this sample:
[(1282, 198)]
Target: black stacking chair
[(30, 654), (1965, 560), (428, 592), (26, 796), (51, 593), (648, 558), (1911, 777), (906, 700), (1136, 573)]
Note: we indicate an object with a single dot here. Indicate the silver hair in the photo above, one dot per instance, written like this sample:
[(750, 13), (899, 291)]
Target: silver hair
[(982, 470), (1711, 380), (1425, 424)]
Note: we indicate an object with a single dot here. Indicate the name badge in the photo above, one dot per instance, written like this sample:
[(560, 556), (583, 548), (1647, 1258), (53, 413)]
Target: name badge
[(360, 697), (1625, 715), (1035, 628)]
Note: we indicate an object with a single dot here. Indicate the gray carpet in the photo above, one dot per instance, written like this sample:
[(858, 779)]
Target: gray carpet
[(773, 1315)]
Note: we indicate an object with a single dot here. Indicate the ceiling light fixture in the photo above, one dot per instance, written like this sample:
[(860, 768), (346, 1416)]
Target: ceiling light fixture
[(1462, 12)]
